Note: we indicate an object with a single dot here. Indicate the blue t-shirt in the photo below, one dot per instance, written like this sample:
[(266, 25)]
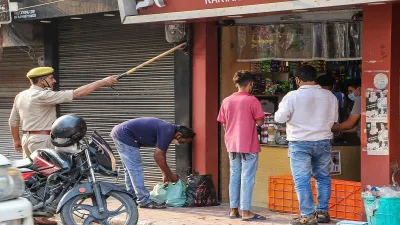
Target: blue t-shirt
[(145, 132), (341, 98), (341, 105)]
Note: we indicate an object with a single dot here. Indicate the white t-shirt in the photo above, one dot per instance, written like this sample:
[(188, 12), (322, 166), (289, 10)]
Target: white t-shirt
[(309, 113)]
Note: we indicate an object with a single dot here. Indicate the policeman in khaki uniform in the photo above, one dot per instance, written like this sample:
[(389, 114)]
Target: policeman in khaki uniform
[(35, 111)]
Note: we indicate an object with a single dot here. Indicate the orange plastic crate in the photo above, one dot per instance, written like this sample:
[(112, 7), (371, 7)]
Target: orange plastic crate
[(345, 200)]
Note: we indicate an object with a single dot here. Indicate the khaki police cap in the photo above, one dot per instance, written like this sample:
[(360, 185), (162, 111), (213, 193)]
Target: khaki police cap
[(39, 72)]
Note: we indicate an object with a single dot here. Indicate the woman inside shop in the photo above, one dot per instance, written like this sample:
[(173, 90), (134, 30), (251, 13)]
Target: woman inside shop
[(353, 121)]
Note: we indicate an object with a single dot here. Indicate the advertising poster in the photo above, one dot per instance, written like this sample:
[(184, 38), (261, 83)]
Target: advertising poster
[(376, 105), (377, 138), (336, 166), (376, 118)]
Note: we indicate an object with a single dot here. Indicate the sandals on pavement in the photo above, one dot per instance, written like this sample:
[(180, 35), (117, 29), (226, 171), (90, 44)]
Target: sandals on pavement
[(256, 217), (237, 216), (153, 205)]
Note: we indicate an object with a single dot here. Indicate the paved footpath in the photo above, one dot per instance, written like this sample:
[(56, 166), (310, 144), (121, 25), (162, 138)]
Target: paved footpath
[(203, 216)]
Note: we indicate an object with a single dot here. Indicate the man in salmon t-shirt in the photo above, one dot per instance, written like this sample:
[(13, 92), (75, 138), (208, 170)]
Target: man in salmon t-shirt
[(239, 115)]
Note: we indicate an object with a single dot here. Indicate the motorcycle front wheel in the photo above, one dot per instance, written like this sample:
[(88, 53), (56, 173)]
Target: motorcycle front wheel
[(119, 207)]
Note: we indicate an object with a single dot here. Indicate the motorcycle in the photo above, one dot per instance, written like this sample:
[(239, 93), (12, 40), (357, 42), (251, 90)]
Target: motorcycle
[(63, 180)]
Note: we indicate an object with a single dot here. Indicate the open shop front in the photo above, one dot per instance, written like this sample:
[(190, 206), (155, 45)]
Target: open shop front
[(380, 56), (271, 48)]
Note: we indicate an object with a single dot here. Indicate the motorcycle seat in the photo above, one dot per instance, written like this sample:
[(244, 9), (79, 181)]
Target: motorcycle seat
[(22, 163)]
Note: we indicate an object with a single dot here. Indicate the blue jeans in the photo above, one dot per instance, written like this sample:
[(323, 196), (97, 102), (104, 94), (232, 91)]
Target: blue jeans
[(134, 177), (314, 158), (242, 178)]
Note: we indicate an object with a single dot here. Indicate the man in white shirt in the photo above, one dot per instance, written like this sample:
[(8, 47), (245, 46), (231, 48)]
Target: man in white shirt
[(309, 114)]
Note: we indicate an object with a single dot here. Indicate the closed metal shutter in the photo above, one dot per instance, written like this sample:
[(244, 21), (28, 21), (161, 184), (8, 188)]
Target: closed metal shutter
[(96, 47), (15, 63)]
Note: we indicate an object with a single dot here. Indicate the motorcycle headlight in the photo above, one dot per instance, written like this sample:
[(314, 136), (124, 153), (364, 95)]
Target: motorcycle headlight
[(11, 183)]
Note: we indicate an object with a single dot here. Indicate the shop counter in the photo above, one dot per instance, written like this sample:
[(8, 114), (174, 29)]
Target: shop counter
[(274, 161)]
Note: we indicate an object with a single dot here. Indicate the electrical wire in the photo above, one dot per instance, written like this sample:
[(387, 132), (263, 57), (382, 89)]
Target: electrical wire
[(12, 31), (21, 42), (19, 39)]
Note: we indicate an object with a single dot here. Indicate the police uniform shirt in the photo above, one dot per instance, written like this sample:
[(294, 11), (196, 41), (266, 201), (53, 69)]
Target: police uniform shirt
[(35, 109)]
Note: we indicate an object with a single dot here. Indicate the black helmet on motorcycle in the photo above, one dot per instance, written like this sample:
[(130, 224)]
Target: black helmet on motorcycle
[(68, 130)]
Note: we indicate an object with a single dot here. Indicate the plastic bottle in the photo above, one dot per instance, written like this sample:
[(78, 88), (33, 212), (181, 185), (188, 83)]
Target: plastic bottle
[(271, 134), (264, 135)]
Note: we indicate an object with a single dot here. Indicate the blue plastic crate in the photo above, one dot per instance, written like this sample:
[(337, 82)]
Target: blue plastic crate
[(382, 211)]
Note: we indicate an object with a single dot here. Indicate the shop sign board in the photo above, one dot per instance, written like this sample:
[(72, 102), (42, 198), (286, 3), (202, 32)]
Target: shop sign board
[(42, 9), (181, 6), (177, 10)]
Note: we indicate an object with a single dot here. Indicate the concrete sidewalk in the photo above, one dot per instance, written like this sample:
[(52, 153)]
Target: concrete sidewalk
[(202, 215), (206, 216)]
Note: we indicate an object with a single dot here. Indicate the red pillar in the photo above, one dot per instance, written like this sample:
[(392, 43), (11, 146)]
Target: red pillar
[(205, 99), (381, 52)]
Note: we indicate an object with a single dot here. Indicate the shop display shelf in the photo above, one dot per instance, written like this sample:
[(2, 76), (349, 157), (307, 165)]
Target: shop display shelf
[(345, 203)]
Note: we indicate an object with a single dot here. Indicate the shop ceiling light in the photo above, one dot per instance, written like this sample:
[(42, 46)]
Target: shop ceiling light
[(109, 14), (45, 21), (75, 18)]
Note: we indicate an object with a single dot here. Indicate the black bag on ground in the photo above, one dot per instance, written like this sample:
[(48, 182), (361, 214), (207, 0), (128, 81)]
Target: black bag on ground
[(200, 191)]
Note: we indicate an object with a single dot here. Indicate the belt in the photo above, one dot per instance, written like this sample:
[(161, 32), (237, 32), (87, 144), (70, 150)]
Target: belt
[(45, 132)]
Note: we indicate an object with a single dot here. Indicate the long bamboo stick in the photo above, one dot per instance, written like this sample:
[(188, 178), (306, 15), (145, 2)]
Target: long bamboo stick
[(151, 60)]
